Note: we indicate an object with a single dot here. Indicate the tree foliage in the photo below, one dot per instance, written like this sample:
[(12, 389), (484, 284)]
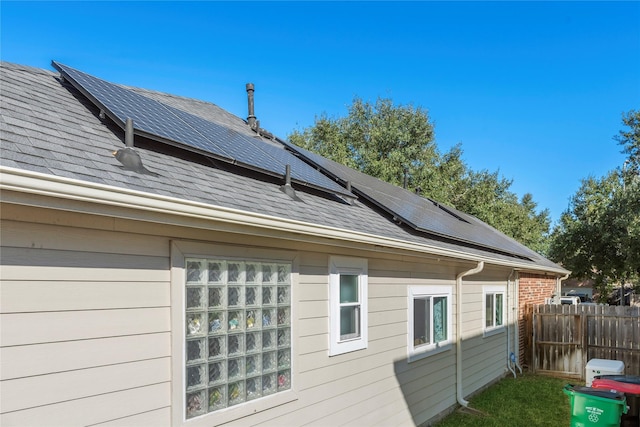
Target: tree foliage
[(392, 142), (630, 141), (598, 237)]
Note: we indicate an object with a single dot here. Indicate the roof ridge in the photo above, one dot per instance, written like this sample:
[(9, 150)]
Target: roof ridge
[(155, 94), (29, 68), (167, 94)]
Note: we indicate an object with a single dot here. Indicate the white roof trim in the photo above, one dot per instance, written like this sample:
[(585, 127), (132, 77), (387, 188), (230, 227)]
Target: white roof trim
[(35, 183)]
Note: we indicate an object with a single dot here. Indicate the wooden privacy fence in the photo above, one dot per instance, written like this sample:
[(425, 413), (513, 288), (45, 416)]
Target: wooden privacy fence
[(563, 338)]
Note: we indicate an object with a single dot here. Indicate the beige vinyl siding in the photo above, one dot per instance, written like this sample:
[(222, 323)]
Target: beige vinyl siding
[(40, 359), (46, 327), (154, 418), (104, 295), (484, 362), (427, 385), (484, 357), (85, 323), (29, 392), (96, 409), (313, 291), (370, 386), (86, 295)]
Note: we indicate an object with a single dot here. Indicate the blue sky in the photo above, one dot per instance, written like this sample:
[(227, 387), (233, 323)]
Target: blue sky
[(534, 90)]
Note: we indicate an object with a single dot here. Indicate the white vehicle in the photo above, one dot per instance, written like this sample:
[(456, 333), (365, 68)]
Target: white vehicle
[(570, 300)]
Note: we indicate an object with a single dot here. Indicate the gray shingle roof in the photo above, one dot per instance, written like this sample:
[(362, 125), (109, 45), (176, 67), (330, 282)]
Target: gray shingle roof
[(49, 127)]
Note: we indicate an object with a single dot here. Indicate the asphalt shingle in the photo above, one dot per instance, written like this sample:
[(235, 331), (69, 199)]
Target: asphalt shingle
[(48, 127)]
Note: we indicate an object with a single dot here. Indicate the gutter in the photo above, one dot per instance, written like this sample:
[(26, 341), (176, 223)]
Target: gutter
[(475, 270), (27, 183)]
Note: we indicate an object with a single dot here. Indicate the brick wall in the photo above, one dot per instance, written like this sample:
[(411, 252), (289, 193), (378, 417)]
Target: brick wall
[(533, 290)]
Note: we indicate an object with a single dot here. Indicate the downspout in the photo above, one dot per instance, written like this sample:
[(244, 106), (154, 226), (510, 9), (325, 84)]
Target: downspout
[(509, 320), (516, 358), (559, 286), (459, 277)]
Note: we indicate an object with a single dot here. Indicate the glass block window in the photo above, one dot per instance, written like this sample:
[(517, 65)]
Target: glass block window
[(237, 332), (430, 320), (494, 308)]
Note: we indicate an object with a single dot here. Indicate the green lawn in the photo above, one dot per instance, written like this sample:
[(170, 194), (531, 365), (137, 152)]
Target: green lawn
[(527, 401)]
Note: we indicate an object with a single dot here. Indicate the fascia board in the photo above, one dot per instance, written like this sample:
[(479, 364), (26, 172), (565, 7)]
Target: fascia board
[(35, 183)]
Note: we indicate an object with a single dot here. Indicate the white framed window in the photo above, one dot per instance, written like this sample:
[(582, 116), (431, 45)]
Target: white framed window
[(233, 321), (429, 320), (493, 316), (348, 283)]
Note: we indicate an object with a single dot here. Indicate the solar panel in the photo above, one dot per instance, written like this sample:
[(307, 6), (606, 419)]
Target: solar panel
[(418, 212), (256, 153), (171, 125), (164, 123)]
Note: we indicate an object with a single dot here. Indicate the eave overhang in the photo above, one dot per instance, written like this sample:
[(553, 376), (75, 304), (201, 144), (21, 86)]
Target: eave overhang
[(48, 191)]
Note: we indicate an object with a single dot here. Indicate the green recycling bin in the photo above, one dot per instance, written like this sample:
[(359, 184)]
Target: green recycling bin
[(595, 408)]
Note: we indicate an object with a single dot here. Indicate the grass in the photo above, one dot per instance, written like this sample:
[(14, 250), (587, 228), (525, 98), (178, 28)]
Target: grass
[(526, 401)]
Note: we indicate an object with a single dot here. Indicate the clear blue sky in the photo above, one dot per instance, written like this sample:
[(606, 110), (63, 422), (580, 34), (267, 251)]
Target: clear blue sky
[(534, 90)]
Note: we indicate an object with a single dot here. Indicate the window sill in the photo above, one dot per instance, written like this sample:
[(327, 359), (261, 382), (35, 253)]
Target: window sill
[(235, 413), (417, 355), (348, 346), (491, 332)]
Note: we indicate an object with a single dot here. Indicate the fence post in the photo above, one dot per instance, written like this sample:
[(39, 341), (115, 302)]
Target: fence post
[(583, 344), (534, 362)]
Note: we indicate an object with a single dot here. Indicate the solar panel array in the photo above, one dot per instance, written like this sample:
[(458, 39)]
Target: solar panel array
[(420, 213), (159, 121), (171, 125)]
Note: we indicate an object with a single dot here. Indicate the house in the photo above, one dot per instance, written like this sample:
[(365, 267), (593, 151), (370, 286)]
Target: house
[(211, 274)]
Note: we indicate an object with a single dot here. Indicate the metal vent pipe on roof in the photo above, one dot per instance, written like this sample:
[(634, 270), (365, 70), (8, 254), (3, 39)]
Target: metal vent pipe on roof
[(287, 175), (287, 188), (251, 118), (128, 133)]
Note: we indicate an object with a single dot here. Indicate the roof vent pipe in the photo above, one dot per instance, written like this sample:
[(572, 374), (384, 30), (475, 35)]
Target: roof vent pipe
[(128, 133), (287, 175), (251, 118), (287, 188)]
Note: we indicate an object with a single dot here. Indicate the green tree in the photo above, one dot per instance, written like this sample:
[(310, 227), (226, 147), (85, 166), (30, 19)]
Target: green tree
[(598, 237), (390, 142), (489, 199), (378, 139), (630, 141)]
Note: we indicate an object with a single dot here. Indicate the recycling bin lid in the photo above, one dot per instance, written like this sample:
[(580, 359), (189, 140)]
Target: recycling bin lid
[(602, 393), (610, 384), (632, 379)]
